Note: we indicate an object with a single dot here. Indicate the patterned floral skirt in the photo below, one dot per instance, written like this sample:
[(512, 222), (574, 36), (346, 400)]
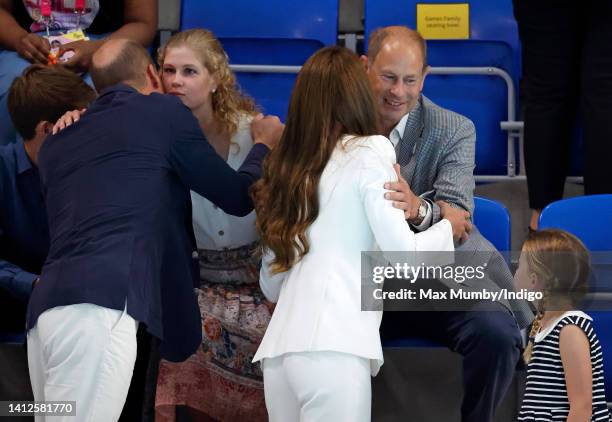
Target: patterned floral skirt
[(219, 382)]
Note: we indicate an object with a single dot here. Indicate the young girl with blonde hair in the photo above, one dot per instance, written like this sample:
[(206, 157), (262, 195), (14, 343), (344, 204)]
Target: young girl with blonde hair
[(564, 359), (219, 382)]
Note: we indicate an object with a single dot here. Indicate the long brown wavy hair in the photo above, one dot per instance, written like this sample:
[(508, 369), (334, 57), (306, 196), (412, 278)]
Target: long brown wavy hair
[(562, 261), (331, 98), (228, 102)]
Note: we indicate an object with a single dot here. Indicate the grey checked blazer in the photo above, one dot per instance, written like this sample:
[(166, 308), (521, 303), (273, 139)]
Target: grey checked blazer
[(436, 155)]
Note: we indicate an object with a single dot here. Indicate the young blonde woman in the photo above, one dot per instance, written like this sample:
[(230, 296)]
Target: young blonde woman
[(321, 202), (565, 379), (219, 382)]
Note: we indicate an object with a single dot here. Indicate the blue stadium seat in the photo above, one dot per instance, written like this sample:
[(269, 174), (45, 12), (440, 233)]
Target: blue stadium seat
[(493, 43), (493, 221), (589, 217), (272, 32)]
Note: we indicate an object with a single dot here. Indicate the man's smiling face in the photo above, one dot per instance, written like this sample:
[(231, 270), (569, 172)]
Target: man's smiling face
[(396, 76)]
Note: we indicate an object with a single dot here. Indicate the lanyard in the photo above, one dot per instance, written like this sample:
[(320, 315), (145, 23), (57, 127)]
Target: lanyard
[(45, 12), (79, 10), (45, 8), (79, 6)]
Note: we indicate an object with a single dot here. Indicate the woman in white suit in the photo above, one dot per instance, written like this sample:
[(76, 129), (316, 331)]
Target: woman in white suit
[(320, 203)]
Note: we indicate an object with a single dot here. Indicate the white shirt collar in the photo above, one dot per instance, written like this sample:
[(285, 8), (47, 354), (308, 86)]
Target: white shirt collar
[(541, 335), (397, 133)]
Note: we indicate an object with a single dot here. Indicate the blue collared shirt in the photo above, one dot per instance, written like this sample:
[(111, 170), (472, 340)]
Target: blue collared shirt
[(24, 232)]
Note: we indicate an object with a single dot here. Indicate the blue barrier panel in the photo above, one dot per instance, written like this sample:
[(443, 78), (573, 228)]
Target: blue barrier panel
[(270, 32)]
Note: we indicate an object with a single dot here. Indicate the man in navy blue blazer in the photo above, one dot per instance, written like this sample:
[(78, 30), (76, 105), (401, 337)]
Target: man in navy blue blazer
[(116, 186)]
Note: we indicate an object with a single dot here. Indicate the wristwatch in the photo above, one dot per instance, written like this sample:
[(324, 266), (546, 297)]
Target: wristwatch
[(422, 213), (422, 209)]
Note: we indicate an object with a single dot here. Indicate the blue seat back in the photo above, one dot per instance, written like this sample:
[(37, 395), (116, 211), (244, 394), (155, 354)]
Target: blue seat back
[(587, 217), (493, 221), (493, 42), (270, 32)]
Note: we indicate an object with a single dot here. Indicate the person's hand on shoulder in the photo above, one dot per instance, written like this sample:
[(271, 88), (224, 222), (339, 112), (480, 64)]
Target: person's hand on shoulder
[(266, 130), (459, 219), (34, 48), (67, 119)]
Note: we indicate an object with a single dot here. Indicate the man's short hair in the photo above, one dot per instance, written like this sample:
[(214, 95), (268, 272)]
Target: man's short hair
[(45, 93), (128, 66), (378, 37)]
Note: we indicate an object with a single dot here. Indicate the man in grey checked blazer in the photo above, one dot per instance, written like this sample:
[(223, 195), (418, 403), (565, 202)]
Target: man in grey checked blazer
[(435, 152)]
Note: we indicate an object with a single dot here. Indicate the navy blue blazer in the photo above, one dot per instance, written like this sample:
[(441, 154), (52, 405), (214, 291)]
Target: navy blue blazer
[(116, 187)]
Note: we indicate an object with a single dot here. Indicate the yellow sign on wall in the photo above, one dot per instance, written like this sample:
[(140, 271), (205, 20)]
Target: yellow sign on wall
[(443, 21)]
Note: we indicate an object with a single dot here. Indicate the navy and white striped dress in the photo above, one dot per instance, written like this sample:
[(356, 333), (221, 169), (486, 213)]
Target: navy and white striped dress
[(545, 393)]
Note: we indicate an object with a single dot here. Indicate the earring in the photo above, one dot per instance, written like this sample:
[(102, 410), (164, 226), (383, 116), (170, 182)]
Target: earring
[(214, 90)]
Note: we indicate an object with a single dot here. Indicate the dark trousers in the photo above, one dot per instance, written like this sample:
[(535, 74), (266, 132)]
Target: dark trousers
[(487, 337), (140, 402), (567, 70)]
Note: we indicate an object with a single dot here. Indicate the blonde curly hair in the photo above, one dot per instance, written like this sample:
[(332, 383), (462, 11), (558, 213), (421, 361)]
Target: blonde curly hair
[(228, 102)]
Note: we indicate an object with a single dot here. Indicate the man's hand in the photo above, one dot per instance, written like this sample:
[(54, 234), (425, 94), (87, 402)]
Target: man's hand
[(403, 197), (266, 130), (67, 119), (82, 53), (34, 49), (458, 218)]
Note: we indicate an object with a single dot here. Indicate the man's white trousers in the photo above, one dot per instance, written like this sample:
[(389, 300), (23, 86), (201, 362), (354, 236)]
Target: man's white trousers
[(83, 353)]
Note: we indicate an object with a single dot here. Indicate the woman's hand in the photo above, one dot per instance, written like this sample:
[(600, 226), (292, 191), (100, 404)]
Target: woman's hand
[(33, 48)]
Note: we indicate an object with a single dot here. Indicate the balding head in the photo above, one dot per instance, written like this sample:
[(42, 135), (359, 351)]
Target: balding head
[(396, 34), (120, 61)]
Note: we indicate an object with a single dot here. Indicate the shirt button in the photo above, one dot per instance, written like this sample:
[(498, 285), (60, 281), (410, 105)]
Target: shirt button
[(221, 232), (194, 254)]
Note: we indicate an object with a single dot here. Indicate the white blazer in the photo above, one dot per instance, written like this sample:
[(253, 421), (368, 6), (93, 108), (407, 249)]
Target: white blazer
[(319, 298)]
